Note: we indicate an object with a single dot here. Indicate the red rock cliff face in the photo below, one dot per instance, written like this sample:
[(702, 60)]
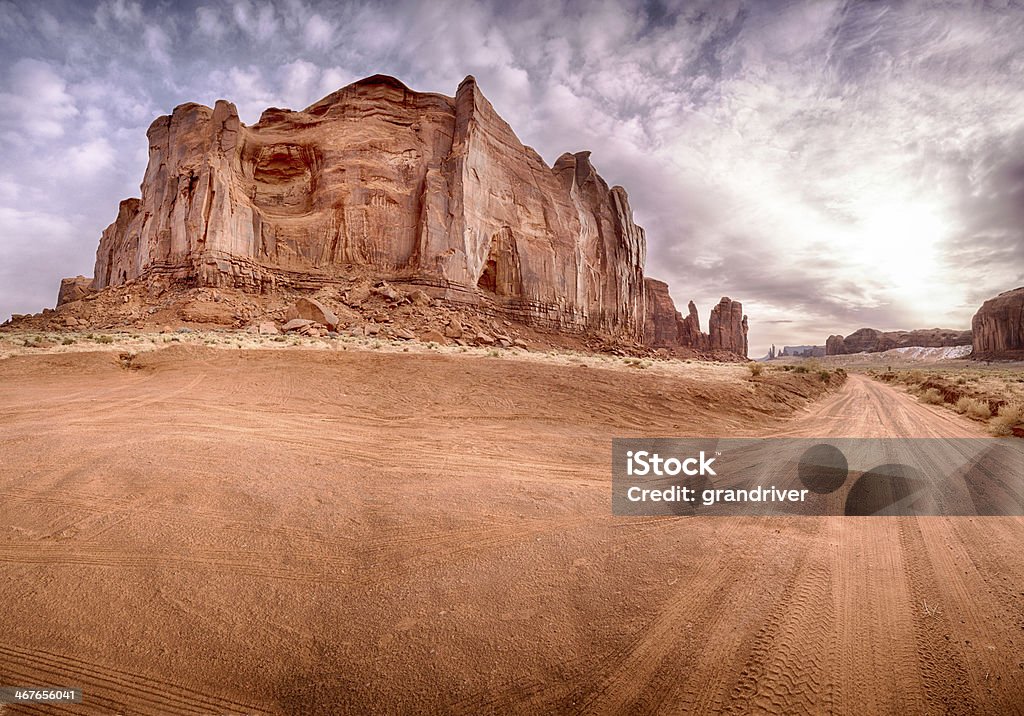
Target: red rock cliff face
[(728, 327), (998, 326), (413, 187), (667, 328)]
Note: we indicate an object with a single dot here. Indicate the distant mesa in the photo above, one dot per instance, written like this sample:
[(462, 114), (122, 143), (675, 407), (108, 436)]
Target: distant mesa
[(998, 327), (422, 191), (802, 351), (870, 340), (795, 352)]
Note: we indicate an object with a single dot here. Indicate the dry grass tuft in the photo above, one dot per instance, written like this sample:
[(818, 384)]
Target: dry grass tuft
[(1010, 416), (973, 408)]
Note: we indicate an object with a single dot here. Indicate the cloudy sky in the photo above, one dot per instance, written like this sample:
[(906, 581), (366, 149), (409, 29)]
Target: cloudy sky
[(831, 164)]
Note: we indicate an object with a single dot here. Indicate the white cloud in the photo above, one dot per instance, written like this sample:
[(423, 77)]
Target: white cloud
[(157, 44), (89, 159), (118, 12), (210, 23), (260, 21), (36, 104), (319, 32)]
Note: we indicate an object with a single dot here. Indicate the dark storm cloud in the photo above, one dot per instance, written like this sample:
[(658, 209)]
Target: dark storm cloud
[(830, 164)]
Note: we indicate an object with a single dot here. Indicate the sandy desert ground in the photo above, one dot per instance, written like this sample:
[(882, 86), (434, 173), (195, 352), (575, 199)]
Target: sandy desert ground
[(194, 530)]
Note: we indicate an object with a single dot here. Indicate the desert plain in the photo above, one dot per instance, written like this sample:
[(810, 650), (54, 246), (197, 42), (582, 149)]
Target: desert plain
[(222, 524)]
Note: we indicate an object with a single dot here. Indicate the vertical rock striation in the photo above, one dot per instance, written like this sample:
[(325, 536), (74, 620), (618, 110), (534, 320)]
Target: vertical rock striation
[(998, 326)]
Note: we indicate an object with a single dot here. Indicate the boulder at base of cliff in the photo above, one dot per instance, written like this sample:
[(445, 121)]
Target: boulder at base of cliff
[(73, 289), (312, 310)]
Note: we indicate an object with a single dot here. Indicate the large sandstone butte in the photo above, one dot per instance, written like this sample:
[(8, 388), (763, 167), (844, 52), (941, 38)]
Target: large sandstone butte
[(870, 340), (417, 189), (998, 326)]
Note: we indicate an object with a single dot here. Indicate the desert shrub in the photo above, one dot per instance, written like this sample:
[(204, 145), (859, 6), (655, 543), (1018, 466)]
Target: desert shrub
[(824, 375), (756, 369), (105, 339), (973, 408), (1010, 416), (913, 376), (801, 369), (67, 342), (493, 354), (931, 396)]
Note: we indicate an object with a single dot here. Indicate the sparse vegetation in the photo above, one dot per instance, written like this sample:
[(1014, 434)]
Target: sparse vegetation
[(1010, 416), (973, 408), (105, 340), (992, 395), (756, 369)]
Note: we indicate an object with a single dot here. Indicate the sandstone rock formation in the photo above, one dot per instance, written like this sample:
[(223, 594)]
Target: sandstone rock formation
[(312, 310), (728, 327), (665, 327), (434, 196), (74, 289), (870, 340), (998, 326), (418, 188), (804, 351)]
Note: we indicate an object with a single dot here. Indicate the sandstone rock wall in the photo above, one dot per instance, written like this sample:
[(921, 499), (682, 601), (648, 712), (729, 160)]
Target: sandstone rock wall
[(417, 189), (412, 187), (998, 326)]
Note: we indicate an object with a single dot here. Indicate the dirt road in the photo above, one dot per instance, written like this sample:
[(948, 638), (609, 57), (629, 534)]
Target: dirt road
[(868, 409), (217, 532)]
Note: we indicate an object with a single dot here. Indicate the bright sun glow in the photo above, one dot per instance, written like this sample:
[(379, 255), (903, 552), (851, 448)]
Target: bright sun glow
[(899, 243)]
